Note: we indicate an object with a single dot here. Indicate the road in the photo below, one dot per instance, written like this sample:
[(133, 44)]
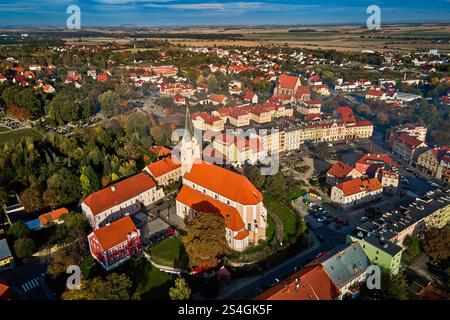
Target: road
[(28, 279), (249, 289)]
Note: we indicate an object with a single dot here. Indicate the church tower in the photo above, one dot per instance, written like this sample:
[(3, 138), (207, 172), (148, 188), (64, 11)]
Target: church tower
[(190, 148)]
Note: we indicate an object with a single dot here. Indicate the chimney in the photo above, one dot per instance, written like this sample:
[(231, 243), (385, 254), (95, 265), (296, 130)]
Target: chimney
[(113, 188)]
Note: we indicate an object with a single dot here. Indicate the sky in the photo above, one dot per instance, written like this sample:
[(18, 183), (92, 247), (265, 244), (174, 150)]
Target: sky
[(42, 13)]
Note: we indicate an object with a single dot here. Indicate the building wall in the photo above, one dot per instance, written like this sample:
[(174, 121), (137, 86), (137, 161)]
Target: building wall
[(131, 206)]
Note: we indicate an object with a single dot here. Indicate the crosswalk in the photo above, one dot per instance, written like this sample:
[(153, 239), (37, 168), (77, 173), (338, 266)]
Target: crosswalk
[(30, 285)]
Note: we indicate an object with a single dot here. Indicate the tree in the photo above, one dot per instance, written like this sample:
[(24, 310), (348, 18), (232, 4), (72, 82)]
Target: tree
[(50, 197), (63, 109), (276, 186), (59, 263), (436, 243), (24, 247), (393, 287), (180, 291), (89, 181), (18, 230), (256, 177), (31, 198), (113, 287), (205, 238), (412, 244), (109, 103)]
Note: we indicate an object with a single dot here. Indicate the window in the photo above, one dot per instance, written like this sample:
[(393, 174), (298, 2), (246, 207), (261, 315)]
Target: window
[(249, 227)]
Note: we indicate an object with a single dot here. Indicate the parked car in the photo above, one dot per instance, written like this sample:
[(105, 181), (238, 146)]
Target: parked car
[(321, 218), (364, 219), (273, 282)]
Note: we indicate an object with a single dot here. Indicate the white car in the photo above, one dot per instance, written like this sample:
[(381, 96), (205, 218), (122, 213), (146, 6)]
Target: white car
[(311, 204), (364, 219), (321, 218)]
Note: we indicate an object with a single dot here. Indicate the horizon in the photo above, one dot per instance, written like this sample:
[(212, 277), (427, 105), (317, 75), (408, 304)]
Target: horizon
[(225, 13)]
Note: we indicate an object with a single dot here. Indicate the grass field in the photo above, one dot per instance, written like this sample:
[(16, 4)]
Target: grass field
[(6, 136), (286, 215), (170, 252), (4, 129)]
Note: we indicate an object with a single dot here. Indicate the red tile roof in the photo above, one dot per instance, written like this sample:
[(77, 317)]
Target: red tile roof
[(160, 151), (219, 180), (52, 215), (310, 283), (411, 141), (4, 291), (115, 233), (340, 170), (203, 203), (162, 167), (355, 186), (118, 193), (287, 82)]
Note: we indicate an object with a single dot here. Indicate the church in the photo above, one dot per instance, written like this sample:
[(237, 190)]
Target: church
[(210, 188)]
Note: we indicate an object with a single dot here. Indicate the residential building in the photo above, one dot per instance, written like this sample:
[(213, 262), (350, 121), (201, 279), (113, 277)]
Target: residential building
[(204, 122), (115, 243), (125, 197), (432, 161), (309, 107), (420, 132), (341, 172), (356, 192), (310, 283), (347, 266), (52, 217), (380, 166), (408, 147), (6, 258), (383, 239), (164, 171)]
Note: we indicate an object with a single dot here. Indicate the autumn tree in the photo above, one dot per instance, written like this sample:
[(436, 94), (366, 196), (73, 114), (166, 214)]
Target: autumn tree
[(436, 243), (31, 198), (50, 198), (113, 287), (205, 238), (180, 291)]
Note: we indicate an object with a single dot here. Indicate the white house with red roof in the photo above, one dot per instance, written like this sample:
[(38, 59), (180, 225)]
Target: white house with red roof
[(115, 243), (341, 172), (251, 97), (356, 192), (125, 197)]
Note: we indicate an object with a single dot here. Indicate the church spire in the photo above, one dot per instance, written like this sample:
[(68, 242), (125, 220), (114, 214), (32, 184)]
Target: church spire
[(189, 130)]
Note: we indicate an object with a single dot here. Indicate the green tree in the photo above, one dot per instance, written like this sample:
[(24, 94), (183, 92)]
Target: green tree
[(180, 291), (393, 287), (24, 247), (18, 230), (113, 287), (205, 238), (63, 109), (275, 185), (412, 244), (109, 103), (256, 177), (89, 181)]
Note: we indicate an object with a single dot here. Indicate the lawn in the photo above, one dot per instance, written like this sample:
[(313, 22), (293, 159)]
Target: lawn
[(148, 282), (170, 252), (4, 129), (18, 134), (286, 215)]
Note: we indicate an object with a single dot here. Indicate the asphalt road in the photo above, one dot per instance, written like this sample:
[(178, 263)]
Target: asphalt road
[(250, 289)]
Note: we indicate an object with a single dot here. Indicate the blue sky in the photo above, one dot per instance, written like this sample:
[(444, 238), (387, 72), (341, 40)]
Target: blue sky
[(219, 12)]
